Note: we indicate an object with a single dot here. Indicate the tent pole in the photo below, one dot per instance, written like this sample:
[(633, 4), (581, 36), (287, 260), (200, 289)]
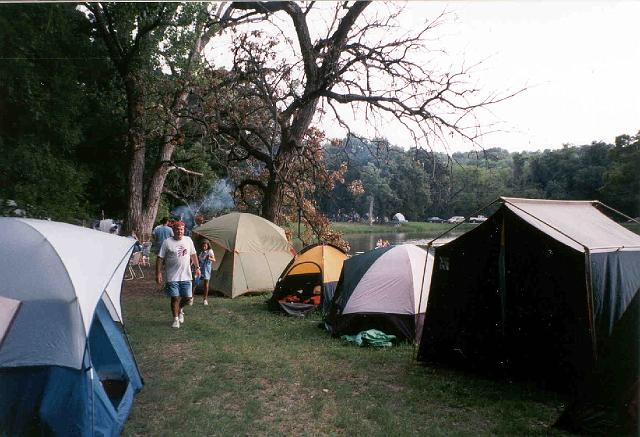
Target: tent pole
[(590, 309), (424, 271), (135, 361), (87, 351), (502, 280), (458, 224), (617, 212)]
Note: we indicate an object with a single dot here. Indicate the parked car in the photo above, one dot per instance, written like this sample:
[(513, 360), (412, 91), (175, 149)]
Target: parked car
[(456, 219), (435, 220), (477, 219)]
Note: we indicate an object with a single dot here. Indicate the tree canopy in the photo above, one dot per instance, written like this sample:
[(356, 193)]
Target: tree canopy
[(113, 107)]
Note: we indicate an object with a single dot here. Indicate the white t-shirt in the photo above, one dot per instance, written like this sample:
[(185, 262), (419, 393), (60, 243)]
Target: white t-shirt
[(177, 258)]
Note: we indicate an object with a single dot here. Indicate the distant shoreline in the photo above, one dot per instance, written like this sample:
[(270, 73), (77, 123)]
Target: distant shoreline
[(407, 227), (410, 228), (419, 227)]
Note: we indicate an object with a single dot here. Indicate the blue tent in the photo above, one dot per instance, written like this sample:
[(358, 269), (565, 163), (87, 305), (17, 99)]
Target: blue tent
[(65, 364)]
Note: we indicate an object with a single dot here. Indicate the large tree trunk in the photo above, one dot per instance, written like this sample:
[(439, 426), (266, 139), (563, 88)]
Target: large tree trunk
[(156, 184), (136, 143), (291, 138), (271, 199), (143, 209)]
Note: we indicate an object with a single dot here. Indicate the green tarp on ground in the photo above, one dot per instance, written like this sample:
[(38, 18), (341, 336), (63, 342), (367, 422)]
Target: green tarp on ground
[(370, 337)]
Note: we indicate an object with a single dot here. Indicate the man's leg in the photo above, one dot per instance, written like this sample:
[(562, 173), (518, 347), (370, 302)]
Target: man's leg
[(185, 297), (175, 306), (174, 292), (184, 301)]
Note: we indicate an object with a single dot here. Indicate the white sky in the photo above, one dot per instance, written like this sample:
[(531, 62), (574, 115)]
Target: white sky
[(579, 60)]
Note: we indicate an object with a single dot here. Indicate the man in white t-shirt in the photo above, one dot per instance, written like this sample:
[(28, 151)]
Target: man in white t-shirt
[(177, 255)]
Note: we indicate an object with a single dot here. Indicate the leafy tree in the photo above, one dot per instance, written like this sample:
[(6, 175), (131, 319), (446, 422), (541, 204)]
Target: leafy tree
[(423, 184), (156, 49), (278, 85), (42, 103), (45, 185), (621, 187)]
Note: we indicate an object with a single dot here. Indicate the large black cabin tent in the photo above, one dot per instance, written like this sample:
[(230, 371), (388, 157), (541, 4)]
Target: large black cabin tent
[(538, 290)]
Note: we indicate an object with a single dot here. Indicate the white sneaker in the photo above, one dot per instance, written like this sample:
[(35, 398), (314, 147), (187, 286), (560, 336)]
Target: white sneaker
[(176, 323), (205, 302), (190, 301), (181, 317)]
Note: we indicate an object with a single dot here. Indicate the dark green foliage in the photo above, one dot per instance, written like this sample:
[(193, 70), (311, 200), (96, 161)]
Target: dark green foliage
[(43, 184), (57, 119), (63, 133), (421, 184), (622, 179)]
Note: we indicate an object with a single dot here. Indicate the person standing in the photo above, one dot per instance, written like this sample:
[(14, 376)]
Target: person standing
[(137, 246), (177, 255), (206, 258), (161, 233)]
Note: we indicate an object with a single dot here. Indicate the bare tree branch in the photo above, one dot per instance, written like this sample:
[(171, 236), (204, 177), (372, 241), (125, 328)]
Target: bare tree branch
[(365, 61)]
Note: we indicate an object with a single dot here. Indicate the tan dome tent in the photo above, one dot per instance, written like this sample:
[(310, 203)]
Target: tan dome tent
[(309, 280), (250, 251)]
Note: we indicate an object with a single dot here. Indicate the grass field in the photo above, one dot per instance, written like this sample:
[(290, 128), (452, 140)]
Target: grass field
[(235, 369)]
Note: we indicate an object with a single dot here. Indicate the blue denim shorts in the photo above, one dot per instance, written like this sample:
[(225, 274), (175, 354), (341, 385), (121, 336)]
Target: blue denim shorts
[(179, 288)]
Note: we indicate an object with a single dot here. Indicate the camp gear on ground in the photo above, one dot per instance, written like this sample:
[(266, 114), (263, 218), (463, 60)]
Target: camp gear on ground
[(385, 289), (539, 290), (65, 364), (370, 337), (309, 280), (250, 253)]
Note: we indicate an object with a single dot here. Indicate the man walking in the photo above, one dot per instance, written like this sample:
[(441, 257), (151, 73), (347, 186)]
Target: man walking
[(176, 257), (161, 233)]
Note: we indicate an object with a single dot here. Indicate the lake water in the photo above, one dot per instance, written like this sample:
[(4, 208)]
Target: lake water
[(366, 242)]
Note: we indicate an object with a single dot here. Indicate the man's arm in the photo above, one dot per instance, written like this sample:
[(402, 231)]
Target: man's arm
[(194, 262), (159, 266)]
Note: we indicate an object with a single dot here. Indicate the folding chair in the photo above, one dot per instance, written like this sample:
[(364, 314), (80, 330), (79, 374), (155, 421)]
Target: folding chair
[(134, 261)]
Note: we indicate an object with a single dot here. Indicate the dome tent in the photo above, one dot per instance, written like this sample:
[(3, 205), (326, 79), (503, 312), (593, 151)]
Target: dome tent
[(250, 252), (309, 280), (65, 363), (384, 289), (399, 217)]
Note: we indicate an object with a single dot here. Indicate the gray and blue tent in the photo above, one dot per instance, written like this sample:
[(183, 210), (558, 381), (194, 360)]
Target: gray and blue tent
[(66, 367), (384, 289), (544, 290)]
